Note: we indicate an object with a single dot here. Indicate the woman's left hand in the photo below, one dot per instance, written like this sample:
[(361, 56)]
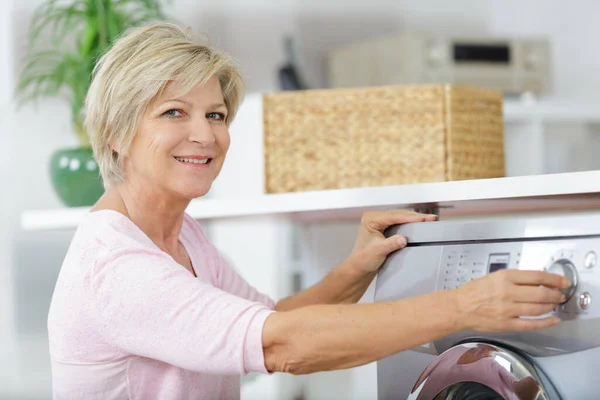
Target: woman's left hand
[(371, 246)]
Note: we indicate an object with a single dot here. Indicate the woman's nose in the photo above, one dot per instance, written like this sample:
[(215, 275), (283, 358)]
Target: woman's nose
[(202, 133)]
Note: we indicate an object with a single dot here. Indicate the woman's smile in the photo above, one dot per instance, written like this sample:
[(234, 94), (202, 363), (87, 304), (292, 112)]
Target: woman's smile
[(194, 161)]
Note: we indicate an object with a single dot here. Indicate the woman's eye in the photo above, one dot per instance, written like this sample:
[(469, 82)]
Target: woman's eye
[(173, 113), (216, 116)]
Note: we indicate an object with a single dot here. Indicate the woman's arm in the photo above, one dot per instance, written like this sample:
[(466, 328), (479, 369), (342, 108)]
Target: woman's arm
[(348, 282), (146, 304), (344, 284), (327, 337)]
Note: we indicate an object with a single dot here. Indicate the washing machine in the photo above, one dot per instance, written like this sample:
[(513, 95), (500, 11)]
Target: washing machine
[(558, 363)]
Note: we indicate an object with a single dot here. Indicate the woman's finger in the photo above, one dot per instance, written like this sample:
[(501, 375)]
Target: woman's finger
[(380, 221), (393, 243), (531, 309), (530, 324), (537, 294), (542, 278)]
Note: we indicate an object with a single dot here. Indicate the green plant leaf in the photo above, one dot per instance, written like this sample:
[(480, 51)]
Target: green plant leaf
[(66, 37), (56, 21)]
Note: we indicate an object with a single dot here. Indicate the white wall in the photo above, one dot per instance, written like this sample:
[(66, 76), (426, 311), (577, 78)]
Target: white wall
[(5, 111), (571, 29), (6, 335), (251, 30), (5, 83)]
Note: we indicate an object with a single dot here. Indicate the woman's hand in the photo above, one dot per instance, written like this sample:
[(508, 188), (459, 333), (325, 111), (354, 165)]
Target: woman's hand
[(371, 246), (496, 302)]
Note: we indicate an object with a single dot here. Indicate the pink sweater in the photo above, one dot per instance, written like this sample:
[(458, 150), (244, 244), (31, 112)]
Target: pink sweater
[(128, 322)]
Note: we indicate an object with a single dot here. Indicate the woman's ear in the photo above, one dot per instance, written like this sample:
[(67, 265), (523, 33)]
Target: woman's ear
[(112, 143)]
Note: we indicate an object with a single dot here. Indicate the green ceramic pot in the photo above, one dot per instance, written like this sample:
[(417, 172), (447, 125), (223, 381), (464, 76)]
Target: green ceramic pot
[(76, 177)]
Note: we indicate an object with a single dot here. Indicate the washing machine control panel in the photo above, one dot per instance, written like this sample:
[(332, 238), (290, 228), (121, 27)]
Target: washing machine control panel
[(461, 264), (576, 259)]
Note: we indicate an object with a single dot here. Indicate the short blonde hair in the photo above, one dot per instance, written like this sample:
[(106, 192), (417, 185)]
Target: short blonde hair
[(136, 68)]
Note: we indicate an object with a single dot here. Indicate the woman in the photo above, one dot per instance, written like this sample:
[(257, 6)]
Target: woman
[(146, 308)]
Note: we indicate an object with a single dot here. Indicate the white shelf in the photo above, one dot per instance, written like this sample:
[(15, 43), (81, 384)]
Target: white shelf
[(580, 190), (551, 111)]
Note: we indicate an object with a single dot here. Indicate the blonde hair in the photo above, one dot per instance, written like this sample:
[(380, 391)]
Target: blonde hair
[(136, 68)]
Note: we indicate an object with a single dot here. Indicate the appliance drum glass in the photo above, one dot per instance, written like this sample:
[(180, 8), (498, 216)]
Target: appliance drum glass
[(468, 391)]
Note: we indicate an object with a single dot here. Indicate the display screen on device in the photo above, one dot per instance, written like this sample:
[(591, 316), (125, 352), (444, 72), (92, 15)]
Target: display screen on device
[(498, 261), (481, 53)]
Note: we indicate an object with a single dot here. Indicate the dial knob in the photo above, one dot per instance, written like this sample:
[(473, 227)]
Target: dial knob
[(567, 269)]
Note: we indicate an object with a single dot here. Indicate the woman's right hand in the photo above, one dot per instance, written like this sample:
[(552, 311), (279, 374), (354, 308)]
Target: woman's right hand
[(496, 302)]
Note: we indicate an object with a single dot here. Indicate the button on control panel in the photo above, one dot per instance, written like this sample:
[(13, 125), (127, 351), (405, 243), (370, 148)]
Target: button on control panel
[(460, 266), (585, 299), (590, 260)]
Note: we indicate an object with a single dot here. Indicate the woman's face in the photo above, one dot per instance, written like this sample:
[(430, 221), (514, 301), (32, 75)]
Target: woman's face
[(181, 142)]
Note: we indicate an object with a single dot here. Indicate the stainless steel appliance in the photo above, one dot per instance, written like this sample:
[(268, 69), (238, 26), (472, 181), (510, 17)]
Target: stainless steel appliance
[(559, 363), (511, 65)]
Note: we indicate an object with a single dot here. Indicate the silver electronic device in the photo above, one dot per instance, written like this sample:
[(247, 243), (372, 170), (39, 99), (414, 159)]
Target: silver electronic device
[(511, 65), (558, 363)]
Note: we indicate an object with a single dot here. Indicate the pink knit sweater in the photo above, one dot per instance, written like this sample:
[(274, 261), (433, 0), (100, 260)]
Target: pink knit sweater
[(128, 322)]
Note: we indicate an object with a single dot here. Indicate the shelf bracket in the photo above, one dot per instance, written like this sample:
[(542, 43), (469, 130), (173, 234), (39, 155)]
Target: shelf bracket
[(432, 208)]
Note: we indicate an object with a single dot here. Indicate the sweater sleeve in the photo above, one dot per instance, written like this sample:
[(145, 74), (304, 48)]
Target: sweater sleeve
[(230, 281), (150, 306), (226, 277)]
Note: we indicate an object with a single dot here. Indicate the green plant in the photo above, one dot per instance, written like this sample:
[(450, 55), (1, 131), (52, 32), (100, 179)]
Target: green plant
[(66, 38)]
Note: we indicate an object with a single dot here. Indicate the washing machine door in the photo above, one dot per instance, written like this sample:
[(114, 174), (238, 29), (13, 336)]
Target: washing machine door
[(479, 371)]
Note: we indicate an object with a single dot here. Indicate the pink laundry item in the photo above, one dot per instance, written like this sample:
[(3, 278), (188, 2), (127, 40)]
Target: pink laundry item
[(127, 322)]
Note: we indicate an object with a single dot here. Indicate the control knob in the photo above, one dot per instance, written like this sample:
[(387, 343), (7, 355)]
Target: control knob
[(565, 268)]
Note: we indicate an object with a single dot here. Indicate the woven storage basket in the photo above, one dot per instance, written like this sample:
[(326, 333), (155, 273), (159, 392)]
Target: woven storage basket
[(376, 136)]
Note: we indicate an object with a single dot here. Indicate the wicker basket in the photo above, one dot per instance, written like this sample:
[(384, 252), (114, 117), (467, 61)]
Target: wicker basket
[(376, 136)]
